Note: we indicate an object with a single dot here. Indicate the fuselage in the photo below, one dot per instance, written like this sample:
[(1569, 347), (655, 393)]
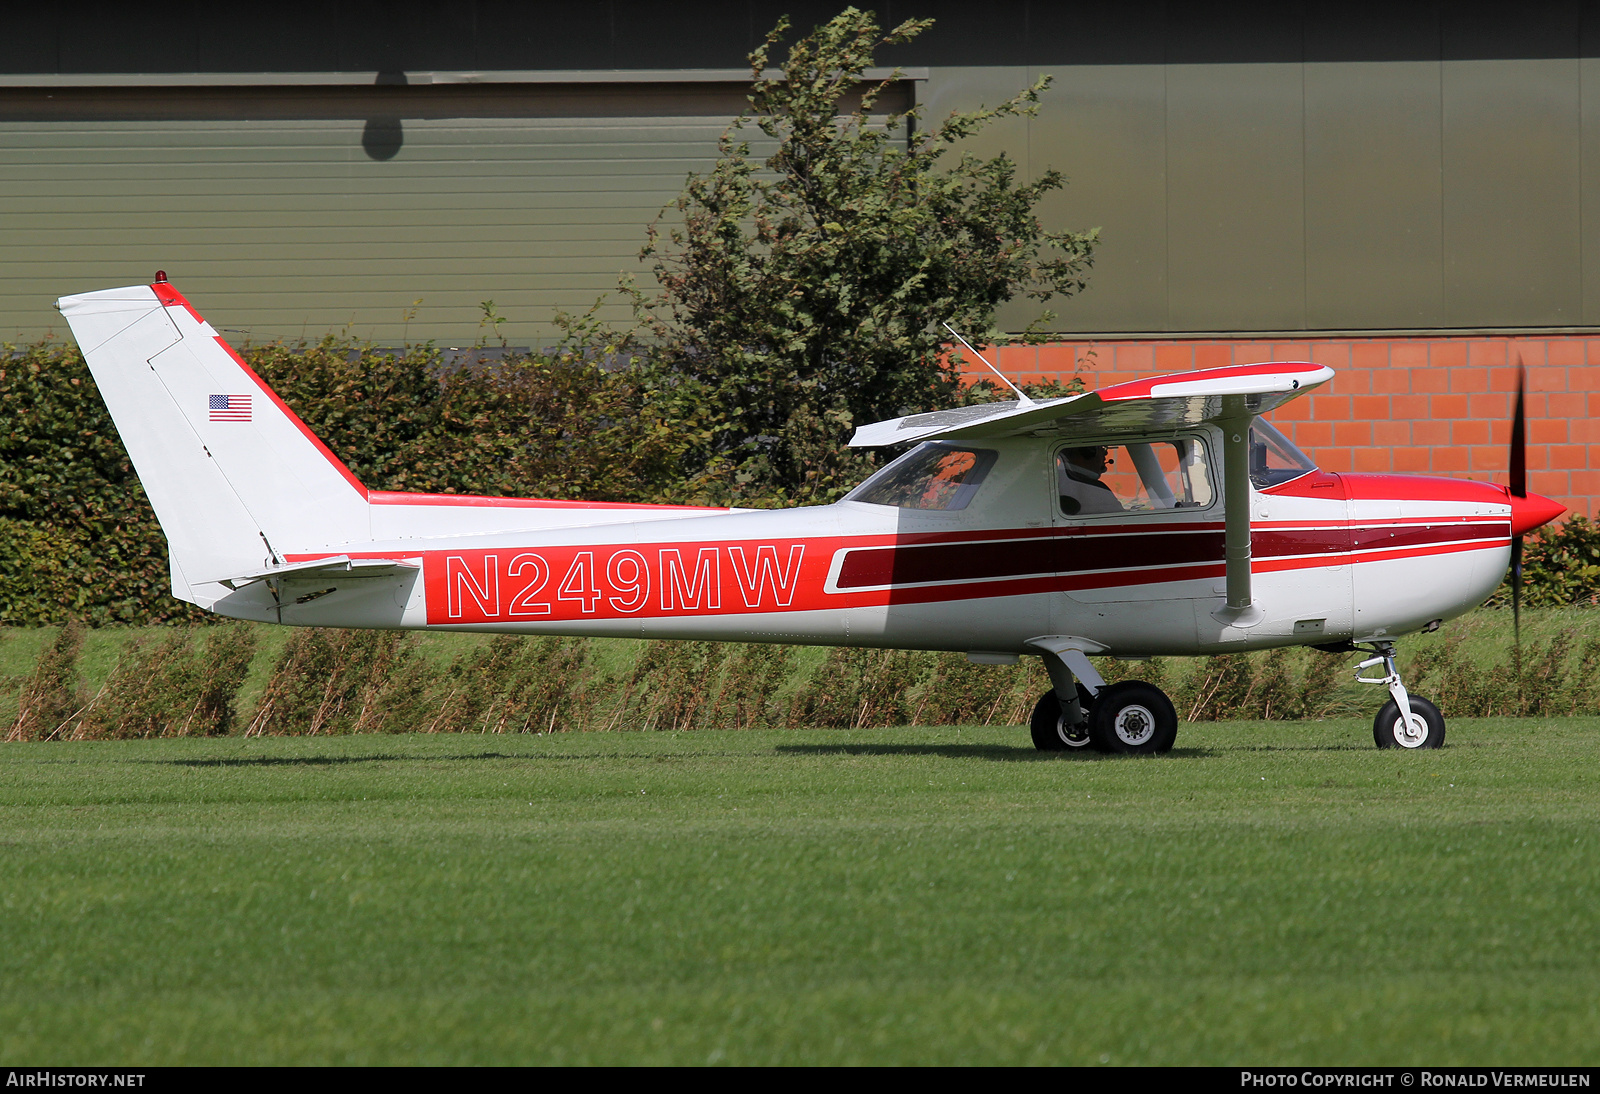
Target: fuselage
[(1334, 558)]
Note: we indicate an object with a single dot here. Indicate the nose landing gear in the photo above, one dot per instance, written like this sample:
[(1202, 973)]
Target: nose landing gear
[(1405, 721)]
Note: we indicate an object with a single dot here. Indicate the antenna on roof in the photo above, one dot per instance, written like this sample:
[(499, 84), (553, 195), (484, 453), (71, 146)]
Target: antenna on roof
[(1022, 399)]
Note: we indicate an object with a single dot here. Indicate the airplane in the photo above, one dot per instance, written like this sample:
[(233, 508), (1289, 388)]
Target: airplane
[(1161, 516)]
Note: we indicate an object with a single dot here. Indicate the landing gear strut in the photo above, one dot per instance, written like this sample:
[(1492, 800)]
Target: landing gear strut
[(1083, 711), (1406, 721)]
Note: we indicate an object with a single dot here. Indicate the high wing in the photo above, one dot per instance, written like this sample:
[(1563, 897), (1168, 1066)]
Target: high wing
[(1136, 407)]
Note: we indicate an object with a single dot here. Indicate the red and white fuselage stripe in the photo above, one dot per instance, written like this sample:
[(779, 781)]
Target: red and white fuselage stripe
[(546, 583)]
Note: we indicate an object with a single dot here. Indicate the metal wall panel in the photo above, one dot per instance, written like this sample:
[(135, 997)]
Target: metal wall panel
[(960, 89), (963, 89), (1589, 209), (1373, 235), (1404, 194), (284, 228), (1239, 196), (1511, 168), (1105, 129), (1235, 198)]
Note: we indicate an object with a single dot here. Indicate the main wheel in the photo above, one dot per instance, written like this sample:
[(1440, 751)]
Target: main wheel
[(1425, 731), (1133, 717), (1049, 727)]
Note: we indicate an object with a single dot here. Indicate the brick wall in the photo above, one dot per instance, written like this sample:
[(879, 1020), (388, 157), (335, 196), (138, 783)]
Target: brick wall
[(1438, 406)]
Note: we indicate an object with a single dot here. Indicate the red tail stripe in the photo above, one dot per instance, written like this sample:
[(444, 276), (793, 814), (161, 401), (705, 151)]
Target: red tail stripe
[(172, 298)]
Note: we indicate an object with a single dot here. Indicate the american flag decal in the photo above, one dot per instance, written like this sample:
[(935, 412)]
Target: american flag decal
[(230, 408)]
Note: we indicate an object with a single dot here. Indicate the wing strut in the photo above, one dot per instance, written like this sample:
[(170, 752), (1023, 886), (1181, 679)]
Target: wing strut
[(1240, 610)]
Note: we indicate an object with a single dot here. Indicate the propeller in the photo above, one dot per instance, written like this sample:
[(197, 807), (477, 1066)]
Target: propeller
[(1528, 511), (1519, 489)]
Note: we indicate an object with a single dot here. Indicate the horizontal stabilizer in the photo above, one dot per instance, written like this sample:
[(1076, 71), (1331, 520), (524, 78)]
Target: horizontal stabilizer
[(338, 564), (1139, 406)]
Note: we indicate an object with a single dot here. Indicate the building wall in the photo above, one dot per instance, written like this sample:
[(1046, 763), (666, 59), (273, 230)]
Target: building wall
[(1418, 194), (1419, 405), (1383, 180), (1294, 166), (285, 228)]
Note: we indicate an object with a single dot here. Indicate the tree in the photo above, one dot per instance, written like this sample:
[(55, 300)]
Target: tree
[(804, 290)]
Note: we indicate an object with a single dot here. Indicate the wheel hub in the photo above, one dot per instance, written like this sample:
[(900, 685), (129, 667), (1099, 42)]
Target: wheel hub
[(1134, 725), (1410, 732), (1073, 736)]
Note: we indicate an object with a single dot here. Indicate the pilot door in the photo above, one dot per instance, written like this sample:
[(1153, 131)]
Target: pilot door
[(1139, 539)]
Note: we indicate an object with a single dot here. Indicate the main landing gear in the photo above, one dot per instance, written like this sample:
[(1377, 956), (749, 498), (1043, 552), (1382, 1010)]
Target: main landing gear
[(1422, 726), (1083, 711)]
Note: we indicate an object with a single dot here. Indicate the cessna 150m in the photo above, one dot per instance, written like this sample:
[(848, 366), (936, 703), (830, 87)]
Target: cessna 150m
[(1159, 516)]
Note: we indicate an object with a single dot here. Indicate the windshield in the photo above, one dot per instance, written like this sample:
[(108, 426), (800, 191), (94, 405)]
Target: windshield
[(931, 476), (1273, 457)]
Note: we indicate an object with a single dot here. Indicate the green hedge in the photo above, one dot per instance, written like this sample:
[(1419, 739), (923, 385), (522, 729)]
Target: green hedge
[(1560, 566), (78, 539)]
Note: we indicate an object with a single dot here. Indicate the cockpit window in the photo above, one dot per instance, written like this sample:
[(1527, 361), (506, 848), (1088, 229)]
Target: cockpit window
[(1133, 478), (930, 476), (1273, 457)]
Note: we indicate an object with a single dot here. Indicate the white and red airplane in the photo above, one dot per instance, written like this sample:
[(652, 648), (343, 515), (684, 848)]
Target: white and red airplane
[(1002, 532)]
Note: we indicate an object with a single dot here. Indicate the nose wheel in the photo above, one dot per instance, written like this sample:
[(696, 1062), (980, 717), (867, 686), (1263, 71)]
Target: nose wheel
[(1424, 729)]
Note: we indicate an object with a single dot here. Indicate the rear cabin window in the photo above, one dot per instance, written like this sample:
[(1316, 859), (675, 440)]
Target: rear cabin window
[(931, 476)]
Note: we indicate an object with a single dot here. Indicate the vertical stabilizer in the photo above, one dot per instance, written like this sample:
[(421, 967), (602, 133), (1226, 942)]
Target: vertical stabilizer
[(236, 479)]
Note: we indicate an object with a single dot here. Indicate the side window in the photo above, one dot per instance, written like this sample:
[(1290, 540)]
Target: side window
[(1134, 478), (1273, 457), (932, 476)]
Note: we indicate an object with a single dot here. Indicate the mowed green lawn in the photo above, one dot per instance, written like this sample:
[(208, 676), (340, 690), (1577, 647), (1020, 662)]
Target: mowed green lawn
[(1269, 893)]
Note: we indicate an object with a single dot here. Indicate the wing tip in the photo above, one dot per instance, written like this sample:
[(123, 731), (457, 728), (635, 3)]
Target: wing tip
[(1258, 378)]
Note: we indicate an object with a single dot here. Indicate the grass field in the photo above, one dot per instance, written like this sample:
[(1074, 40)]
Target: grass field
[(1269, 893)]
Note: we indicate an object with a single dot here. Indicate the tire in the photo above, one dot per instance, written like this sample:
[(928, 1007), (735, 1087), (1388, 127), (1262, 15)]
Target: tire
[(1133, 718), (1050, 733), (1387, 731)]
